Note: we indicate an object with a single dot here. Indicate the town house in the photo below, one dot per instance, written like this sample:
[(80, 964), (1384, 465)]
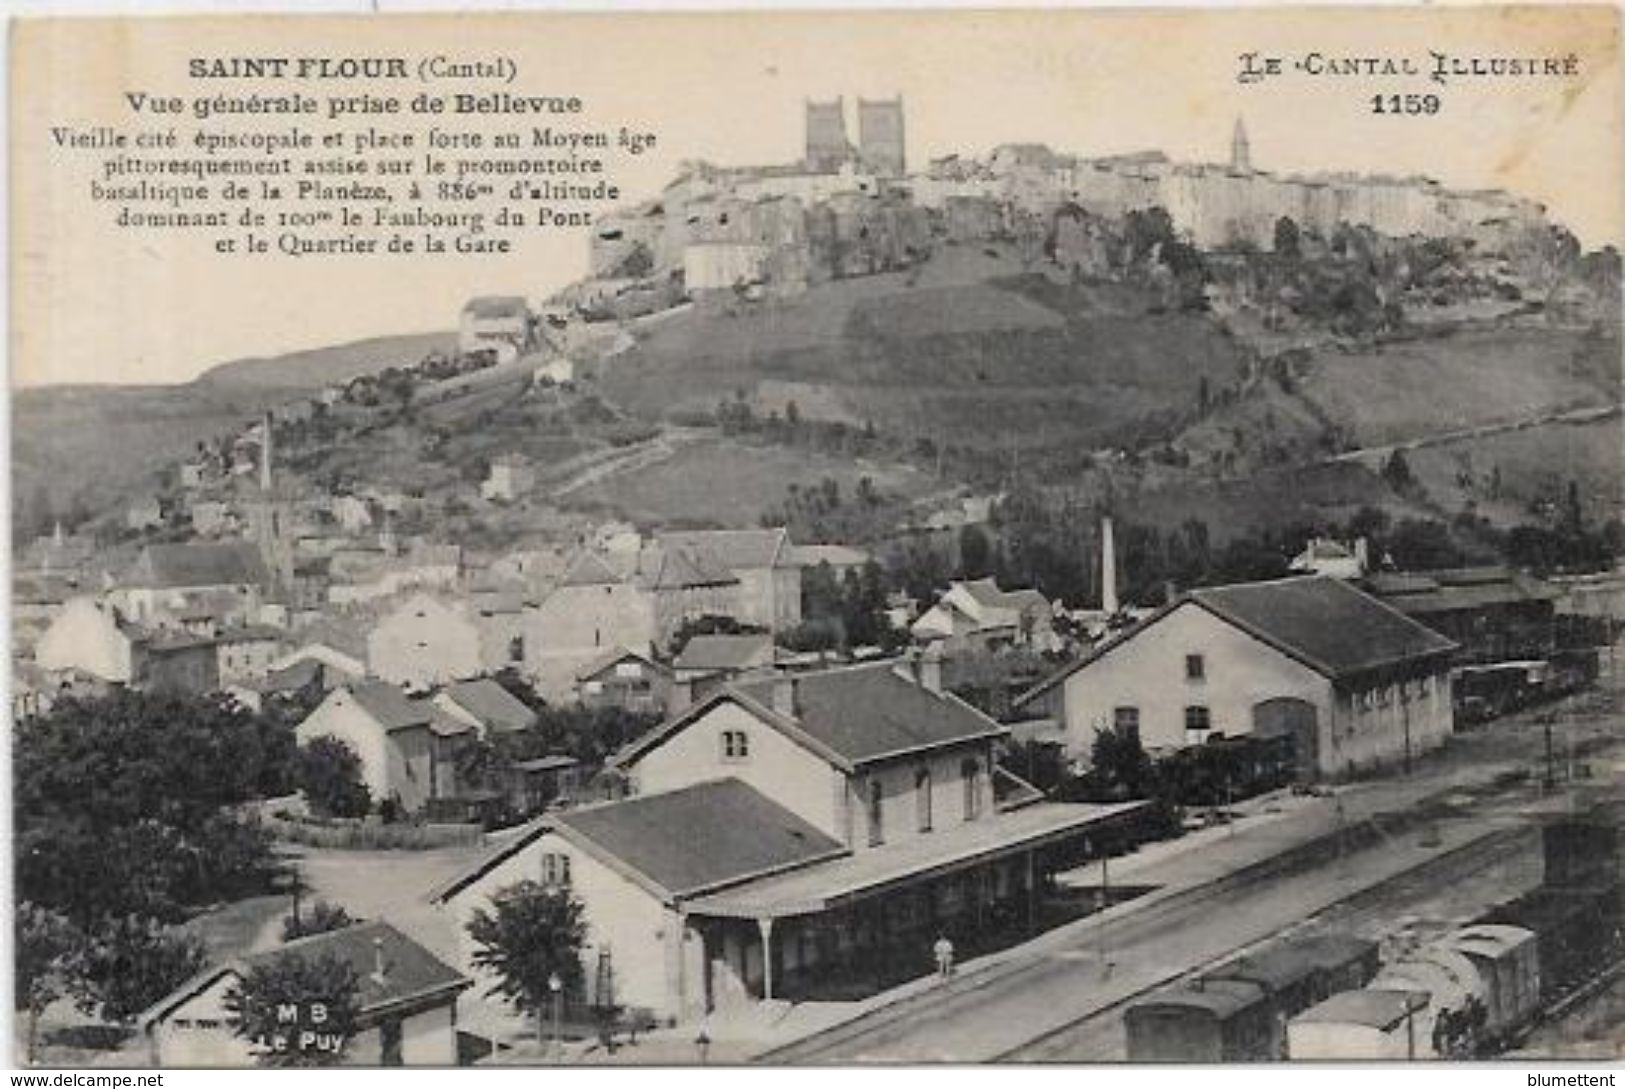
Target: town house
[(763, 560), (424, 642), (228, 578), (407, 747)]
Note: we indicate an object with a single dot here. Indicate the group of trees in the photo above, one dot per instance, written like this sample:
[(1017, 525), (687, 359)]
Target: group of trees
[(128, 821), (823, 513), (844, 611)]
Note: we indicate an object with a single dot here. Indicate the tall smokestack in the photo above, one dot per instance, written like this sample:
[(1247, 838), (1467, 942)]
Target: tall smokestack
[(265, 454), (1108, 568)]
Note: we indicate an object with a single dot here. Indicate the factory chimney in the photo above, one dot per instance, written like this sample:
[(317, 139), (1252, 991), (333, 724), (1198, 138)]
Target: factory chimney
[(1108, 568), (265, 453)]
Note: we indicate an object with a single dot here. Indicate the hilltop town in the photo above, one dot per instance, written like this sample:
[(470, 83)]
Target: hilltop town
[(831, 584)]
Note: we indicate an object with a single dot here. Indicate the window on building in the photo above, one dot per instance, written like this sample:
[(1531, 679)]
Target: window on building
[(877, 827), (1126, 721), (1195, 667), (1198, 721), (922, 798), (516, 649), (556, 869), (971, 773), (735, 745)]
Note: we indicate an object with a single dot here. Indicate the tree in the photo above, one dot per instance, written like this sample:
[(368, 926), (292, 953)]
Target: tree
[(1288, 243), (322, 918), (1397, 472), (1423, 545), (125, 804), (323, 994), (1119, 764), (330, 779), (129, 963), (975, 553), (531, 934), (46, 944)]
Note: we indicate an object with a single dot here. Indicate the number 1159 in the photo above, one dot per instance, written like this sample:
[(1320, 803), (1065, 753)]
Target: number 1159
[(1406, 104)]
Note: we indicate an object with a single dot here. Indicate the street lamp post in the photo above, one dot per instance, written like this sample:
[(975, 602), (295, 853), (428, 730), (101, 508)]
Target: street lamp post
[(556, 986), (702, 1045)]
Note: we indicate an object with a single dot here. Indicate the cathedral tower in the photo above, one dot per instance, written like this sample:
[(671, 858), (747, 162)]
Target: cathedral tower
[(880, 135), (1241, 159), (827, 145)]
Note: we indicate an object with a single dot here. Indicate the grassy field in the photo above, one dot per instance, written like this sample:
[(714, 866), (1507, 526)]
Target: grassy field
[(1534, 463), (1274, 500), (1484, 376), (723, 483), (967, 350)]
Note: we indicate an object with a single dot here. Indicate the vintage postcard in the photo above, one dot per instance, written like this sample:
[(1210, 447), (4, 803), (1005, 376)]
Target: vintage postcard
[(1064, 535)]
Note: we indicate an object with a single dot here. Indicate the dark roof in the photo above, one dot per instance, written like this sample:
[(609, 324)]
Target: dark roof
[(701, 837), (680, 842), (986, 592), (390, 706), (734, 549), (1430, 592), (249, 633), (1325, 623), (675, 568), (1285, 963), (851, 716), (1221, 998), (410, 972), (497, 306), (1011, 791), (611, 657), (226, 563), (546, 763), (724, 652), (294, 676), (493, 705), (653, 568)]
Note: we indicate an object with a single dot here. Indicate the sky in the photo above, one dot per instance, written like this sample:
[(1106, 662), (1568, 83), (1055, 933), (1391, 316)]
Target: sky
[(95, 304)]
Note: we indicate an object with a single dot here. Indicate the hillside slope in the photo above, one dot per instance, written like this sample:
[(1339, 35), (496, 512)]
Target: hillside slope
[(78, 450)]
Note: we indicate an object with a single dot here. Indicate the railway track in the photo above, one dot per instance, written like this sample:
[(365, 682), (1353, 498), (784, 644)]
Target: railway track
[(1097, 1036), (870, 1035)]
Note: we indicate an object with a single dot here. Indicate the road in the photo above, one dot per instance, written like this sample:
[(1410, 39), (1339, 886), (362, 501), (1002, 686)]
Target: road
[(1378, 454)]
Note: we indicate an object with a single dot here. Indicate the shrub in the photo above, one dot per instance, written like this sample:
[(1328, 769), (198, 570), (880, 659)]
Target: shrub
[(330, 779), (321, 918)]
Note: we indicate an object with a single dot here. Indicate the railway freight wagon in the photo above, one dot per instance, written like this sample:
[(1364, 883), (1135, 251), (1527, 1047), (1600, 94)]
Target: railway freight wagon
[(1468, 993), (1507, 959), (1238, 1011), (1576, 932)]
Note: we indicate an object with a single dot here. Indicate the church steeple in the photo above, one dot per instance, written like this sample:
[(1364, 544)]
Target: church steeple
[(1241, 159)]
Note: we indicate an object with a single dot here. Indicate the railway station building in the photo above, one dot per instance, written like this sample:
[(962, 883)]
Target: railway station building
[(799, 837)]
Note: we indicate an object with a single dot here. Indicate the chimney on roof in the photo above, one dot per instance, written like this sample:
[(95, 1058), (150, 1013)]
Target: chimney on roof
[(379, 974), (680, 696), (784, 695), (1108, 568), (928, 668)]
